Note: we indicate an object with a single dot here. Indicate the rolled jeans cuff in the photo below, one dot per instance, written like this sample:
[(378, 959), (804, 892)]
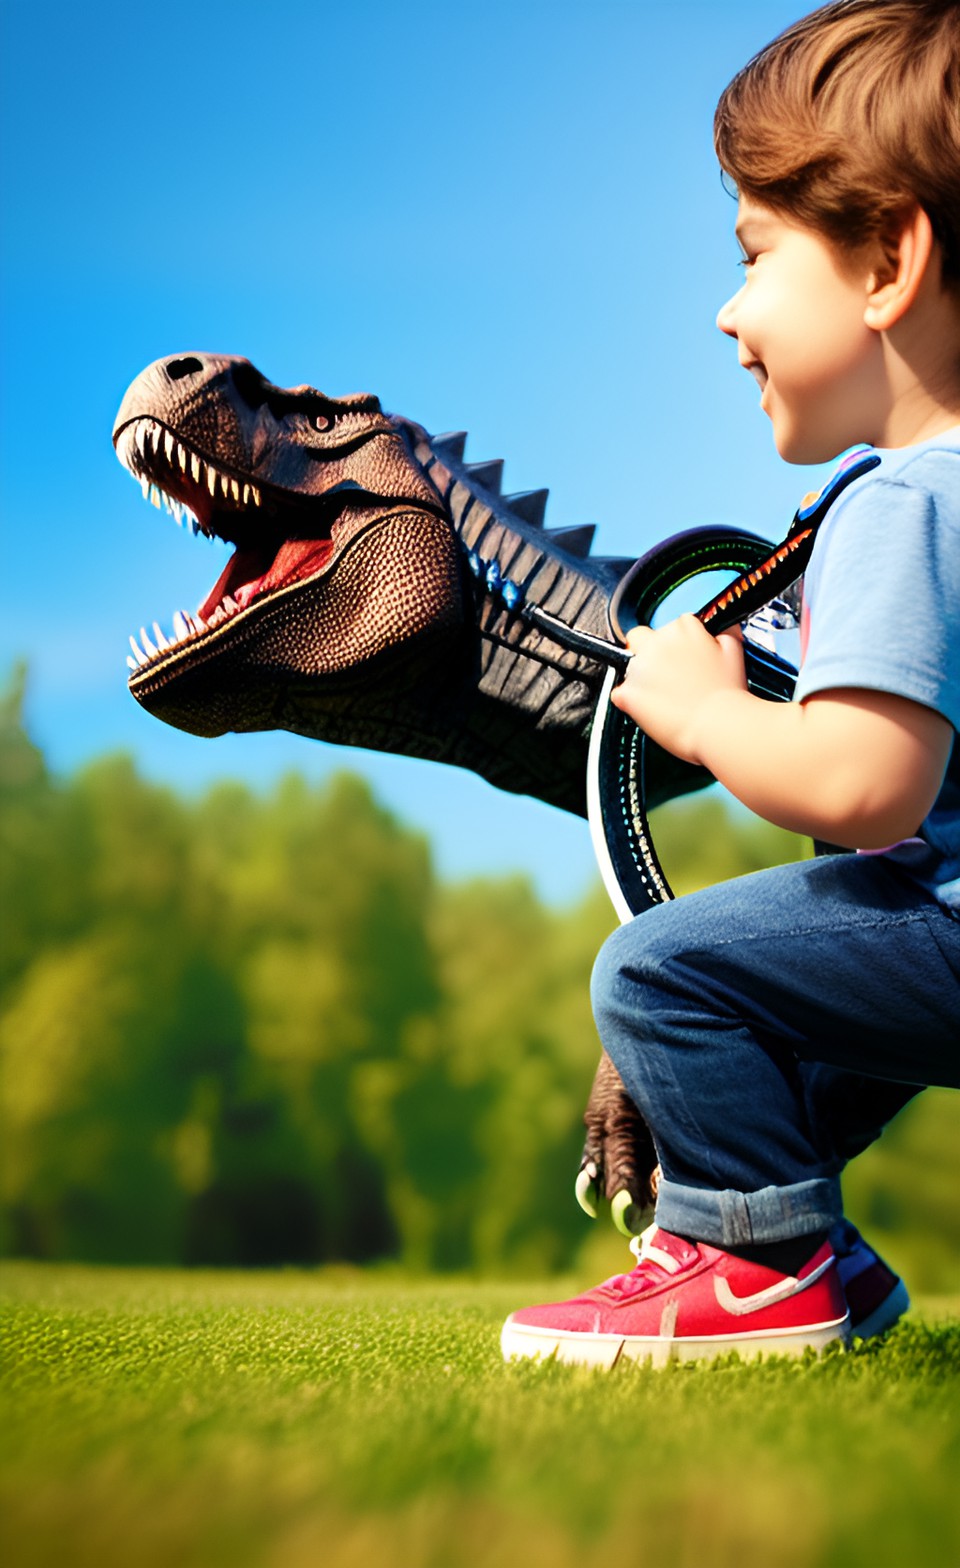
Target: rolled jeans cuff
[(735, 1219)]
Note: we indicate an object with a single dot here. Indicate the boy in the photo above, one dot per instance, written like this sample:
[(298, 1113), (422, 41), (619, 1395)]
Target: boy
[(768, 1027)]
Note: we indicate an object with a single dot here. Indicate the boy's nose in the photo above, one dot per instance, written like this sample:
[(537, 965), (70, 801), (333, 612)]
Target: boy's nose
[(726, 316)]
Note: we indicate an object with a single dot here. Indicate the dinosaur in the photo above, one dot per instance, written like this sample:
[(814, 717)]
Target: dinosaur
[(373, 599)]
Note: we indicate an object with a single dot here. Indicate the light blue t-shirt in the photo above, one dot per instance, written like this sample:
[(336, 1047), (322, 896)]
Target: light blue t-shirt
[(881, 609)]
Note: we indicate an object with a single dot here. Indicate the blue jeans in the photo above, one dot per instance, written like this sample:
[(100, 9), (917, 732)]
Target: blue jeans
[(767, 1028)]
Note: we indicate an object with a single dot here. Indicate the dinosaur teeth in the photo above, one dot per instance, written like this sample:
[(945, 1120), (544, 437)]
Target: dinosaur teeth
[(185, 627), (141, 444)]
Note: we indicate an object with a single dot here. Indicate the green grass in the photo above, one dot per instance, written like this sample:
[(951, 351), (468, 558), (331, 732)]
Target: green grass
[(334, 1418)]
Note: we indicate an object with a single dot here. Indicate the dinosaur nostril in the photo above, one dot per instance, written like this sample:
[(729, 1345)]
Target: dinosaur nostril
[(188, 366)]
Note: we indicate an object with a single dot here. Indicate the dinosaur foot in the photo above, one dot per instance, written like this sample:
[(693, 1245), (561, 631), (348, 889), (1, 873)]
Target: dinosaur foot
[(619, 1159)]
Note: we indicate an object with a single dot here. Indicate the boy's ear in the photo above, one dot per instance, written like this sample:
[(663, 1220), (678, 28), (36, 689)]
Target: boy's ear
[(894, 284)]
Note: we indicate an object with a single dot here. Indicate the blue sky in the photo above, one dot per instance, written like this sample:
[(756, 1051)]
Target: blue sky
[(500, 218)]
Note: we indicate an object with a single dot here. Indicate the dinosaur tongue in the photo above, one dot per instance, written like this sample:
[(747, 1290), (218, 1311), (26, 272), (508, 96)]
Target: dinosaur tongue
[(251, 571)]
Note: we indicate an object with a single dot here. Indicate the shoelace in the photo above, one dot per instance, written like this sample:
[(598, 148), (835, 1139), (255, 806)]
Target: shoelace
[(645, 1252)]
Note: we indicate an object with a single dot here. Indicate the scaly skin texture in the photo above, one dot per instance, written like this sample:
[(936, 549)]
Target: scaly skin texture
[(349, 611)]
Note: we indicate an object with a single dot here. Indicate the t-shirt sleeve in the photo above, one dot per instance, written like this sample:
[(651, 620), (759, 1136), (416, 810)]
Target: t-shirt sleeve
[(882, 595)]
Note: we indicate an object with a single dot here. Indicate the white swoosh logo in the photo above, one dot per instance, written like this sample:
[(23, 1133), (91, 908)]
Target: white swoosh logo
[(764, 1298)]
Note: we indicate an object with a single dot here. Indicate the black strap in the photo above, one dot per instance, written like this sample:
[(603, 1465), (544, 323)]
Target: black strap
[(789, 561), (617, 767)]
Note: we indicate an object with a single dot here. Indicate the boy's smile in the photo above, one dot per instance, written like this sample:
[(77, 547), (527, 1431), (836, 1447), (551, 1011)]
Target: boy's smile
[(799, 325)]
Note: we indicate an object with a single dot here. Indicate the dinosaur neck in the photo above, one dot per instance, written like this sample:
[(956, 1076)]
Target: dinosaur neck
[(527, 704)]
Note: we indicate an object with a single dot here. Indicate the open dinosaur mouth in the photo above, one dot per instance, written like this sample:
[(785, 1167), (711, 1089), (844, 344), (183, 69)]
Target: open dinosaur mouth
[(276, 535)]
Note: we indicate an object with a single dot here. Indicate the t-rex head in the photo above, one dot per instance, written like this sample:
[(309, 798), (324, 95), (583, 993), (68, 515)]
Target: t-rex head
[(348, 611)]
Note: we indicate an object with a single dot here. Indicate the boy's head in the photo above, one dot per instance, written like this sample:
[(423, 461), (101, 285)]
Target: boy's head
[(850, 118), (843, 137)]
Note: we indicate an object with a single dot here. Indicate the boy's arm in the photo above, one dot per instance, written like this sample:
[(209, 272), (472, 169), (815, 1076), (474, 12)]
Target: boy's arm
[(855, 767)]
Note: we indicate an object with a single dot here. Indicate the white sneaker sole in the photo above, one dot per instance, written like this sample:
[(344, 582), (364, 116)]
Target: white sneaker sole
[(605, 1350)]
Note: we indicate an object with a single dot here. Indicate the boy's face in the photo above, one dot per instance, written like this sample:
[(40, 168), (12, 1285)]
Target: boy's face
[(799, 325)]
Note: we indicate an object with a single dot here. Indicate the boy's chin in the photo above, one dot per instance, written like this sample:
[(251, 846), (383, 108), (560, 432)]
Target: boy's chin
[(804, 450)]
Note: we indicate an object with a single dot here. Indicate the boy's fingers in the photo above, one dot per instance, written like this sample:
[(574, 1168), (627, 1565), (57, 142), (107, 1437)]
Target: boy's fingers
[(636, 636)]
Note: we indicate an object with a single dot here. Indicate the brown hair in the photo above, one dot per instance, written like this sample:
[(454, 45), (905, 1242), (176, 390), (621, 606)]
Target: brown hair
[(851, 116)]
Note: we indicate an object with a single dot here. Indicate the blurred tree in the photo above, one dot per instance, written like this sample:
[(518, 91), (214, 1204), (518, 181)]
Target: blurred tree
[(253, 1029), (710, 838)]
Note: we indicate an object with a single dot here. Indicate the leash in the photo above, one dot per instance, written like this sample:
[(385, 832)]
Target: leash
[(616, 765), (667, 566)]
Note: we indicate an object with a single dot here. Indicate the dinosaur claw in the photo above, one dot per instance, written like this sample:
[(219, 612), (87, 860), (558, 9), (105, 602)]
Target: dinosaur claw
[(626, 1214), (586, 1189)]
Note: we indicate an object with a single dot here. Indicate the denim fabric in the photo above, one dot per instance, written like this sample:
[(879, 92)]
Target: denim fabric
[(769, 1027)]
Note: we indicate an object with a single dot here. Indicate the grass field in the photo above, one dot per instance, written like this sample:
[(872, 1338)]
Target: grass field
[(343, 1419)]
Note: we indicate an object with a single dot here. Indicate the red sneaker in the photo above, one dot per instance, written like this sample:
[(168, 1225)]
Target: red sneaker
[(683, 1301)]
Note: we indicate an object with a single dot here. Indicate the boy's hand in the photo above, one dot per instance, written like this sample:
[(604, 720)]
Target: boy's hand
[(674, 673), (852, 766)]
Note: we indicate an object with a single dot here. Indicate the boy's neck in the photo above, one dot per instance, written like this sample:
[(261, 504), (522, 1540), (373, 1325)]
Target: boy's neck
[(909, 432), (921, 356)]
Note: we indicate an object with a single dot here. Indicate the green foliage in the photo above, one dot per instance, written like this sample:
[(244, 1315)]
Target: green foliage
[(255, 1029), (342, 1418), (711, 838)]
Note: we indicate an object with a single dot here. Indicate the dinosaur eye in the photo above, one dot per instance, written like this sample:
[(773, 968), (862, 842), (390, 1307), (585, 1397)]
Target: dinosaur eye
[(321, 421)]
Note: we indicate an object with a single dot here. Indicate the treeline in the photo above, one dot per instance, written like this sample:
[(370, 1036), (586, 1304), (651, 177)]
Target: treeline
[(256, 1029)]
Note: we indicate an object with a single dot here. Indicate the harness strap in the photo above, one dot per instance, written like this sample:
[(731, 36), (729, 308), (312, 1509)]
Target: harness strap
[(616, 766)]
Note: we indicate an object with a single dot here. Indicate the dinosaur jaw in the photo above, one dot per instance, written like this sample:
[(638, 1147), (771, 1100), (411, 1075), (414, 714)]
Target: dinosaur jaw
[(297, 654), (281, 538)]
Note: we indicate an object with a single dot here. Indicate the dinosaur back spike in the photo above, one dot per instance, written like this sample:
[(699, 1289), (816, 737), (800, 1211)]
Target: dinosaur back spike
[(529, 505), (576, 541), (489, 475), (450, 445)]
